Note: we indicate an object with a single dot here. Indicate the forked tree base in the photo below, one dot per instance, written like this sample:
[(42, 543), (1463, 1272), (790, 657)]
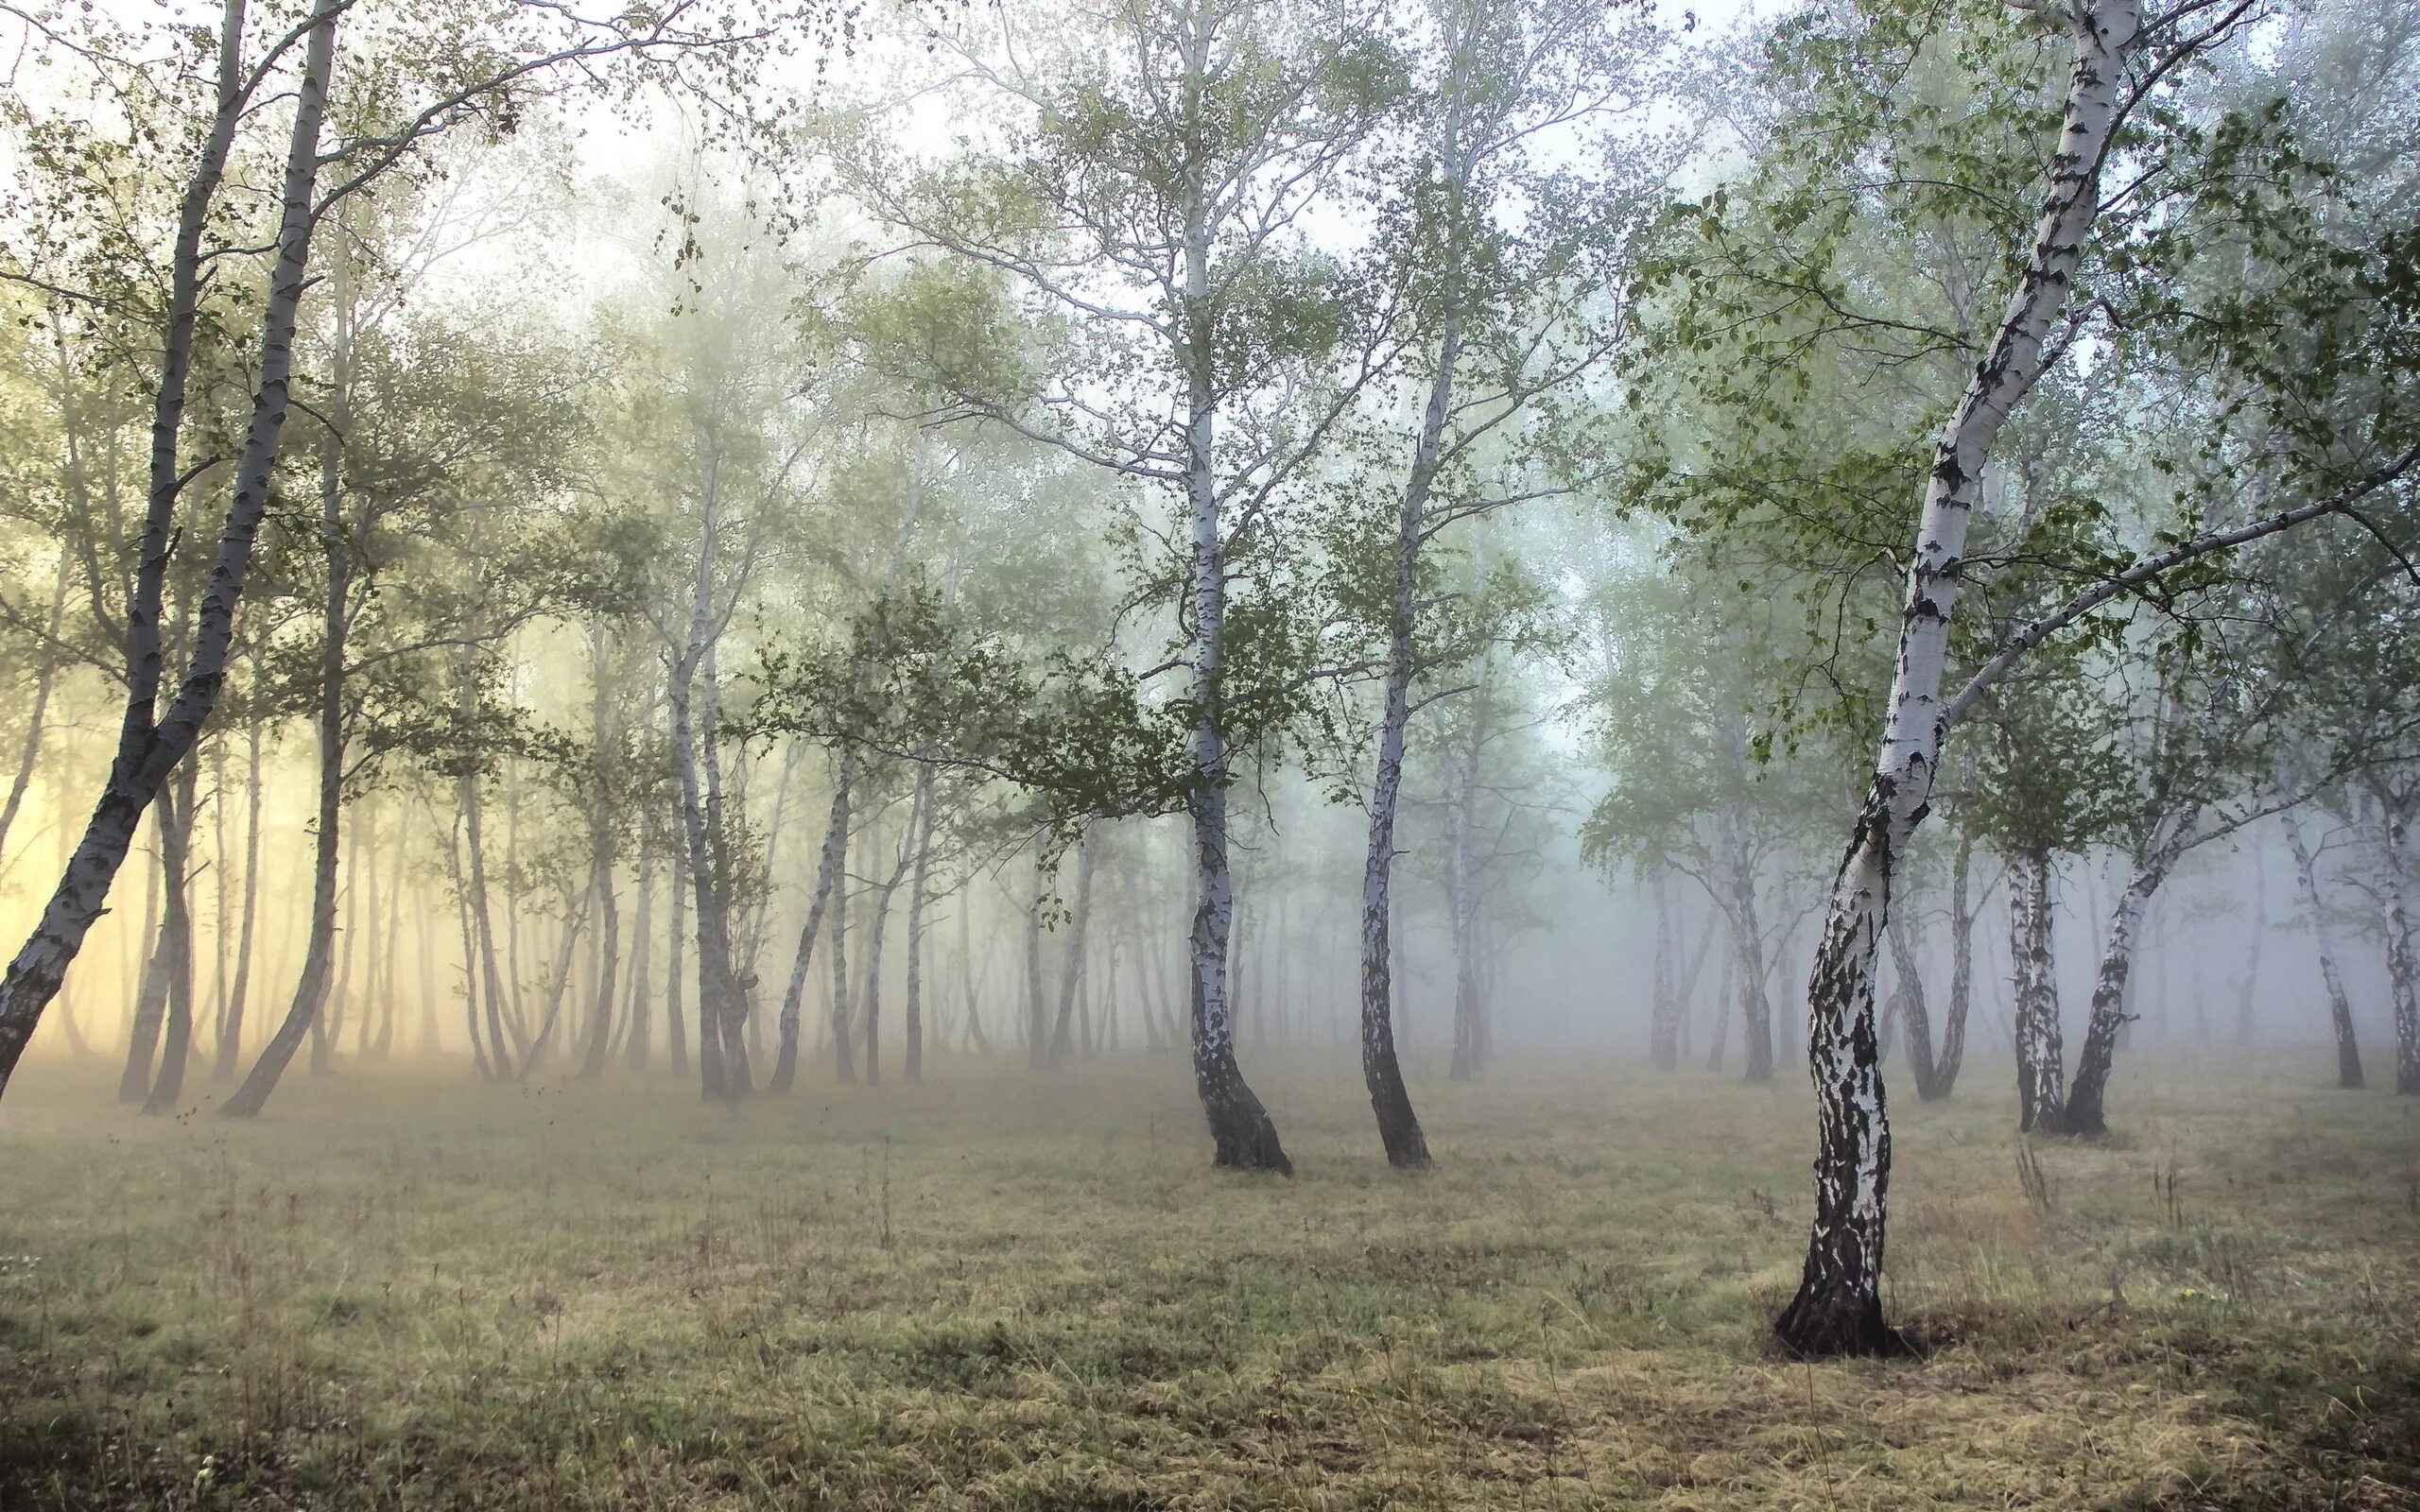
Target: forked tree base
[(1827, 1326)]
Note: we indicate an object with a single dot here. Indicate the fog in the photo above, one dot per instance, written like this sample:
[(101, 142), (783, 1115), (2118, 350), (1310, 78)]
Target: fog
[(1173, 752)]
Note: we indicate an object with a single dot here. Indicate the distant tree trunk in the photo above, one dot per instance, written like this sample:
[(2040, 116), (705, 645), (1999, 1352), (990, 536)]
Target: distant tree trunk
[(231, 1023), (1037, 1027), (176, 940), (152, 998), (502, 1056), (1072, 977), (470, 950), (2041, 1056), (830, 862), (37, 713), (1909, 1008), (2246, 1007), (1663, 1027), (640, 1010), (1747, 942), (1722, 1000), (389, 951), (913, 1067), (976, 1039), (1962, 971), (558, 986), (2340, 1007), (675, 1032), (426, 931), (363, 1003), (222, 865), (722, 1051), (328, 1023), (884, 895), (1461, 909), (600, 860), (844, 1063)]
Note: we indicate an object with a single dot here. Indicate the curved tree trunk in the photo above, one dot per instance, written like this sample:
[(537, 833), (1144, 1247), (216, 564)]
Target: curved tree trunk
[(2084, 1112), (830, 860), (311, 990), (2340, 1006), (1838, 1308)]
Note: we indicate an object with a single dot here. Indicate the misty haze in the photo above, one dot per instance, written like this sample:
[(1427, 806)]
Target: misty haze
[(1209, 753)]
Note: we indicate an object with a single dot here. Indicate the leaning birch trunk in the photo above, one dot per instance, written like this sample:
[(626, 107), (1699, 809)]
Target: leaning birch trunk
[(2085, 1111), (1241, 1135), (2340, 1004), (2041, 1051), (149, 751), (1838, 1308), (1399, 1129), (2399, 965), (827, 874)]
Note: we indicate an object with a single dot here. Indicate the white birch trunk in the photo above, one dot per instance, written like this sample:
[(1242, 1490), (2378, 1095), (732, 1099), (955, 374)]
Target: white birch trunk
[(1838, 1307)]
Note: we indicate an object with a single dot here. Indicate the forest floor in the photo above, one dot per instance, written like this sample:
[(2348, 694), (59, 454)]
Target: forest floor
[(1002, 1291)]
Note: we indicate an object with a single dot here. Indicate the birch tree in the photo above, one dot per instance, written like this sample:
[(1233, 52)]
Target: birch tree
[(1165, 166), (1506, 317), (1787, 289)]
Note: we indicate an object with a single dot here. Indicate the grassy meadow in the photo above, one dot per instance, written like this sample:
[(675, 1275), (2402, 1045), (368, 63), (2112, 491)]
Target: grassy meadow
[(999, 1291)]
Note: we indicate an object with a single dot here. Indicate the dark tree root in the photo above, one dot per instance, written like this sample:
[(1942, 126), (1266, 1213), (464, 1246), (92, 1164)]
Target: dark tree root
[(1828, 1326), (1247, 1140)]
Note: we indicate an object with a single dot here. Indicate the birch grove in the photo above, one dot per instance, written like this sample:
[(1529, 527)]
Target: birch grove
[(841, 562)]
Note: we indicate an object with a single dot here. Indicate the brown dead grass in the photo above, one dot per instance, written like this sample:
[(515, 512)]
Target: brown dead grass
[(1006, 1292)]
